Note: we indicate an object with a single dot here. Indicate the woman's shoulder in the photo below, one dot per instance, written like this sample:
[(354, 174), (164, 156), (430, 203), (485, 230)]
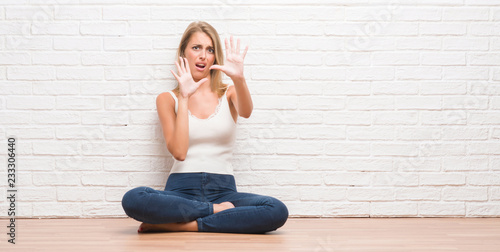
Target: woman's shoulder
[(168, 97)]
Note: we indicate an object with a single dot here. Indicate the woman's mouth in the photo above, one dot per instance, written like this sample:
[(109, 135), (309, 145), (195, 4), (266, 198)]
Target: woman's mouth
[(200, 67)]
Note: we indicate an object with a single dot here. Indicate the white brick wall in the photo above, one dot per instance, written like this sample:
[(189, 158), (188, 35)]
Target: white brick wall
[(383, 108)]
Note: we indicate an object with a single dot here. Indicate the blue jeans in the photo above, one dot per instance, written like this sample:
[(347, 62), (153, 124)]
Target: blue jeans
[(190, 196)]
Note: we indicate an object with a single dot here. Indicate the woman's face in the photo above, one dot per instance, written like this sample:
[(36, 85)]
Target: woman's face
[(200, 54)]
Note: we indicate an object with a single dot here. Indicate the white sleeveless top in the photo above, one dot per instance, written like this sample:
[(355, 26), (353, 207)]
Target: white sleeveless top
[(211, 141)]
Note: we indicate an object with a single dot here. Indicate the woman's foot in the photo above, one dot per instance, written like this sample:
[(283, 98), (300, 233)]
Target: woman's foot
[(222, 206), (169, 227)]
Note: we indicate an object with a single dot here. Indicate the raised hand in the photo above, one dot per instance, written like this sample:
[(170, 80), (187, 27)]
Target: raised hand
[(233, 66), (187, 86)]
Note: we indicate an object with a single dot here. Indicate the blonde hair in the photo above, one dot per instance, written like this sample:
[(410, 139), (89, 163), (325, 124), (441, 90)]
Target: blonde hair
[(216, 84)]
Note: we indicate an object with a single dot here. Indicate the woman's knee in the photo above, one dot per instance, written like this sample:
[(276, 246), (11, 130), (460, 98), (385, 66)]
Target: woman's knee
[(280, 213), (131, 200)]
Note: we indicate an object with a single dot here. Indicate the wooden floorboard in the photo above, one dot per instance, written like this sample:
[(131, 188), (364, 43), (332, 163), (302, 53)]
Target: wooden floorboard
[(298, 234)]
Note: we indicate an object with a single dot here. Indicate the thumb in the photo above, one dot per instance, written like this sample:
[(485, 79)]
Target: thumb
[(200, 82), (216, 67)]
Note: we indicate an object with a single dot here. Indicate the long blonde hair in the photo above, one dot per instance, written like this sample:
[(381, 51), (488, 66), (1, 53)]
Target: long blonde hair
[(216, 84)]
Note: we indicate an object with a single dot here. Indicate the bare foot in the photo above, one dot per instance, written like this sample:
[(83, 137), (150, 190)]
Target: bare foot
[(169, 227), (222, 206)]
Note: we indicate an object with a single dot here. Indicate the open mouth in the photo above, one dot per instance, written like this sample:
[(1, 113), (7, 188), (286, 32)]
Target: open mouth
[(200, 67)]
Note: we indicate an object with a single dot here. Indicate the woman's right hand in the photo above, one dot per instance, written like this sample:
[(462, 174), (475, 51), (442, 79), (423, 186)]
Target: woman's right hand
[(187, 86)]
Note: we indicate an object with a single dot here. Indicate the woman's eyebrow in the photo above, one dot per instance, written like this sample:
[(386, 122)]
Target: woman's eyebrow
[(200, 45)]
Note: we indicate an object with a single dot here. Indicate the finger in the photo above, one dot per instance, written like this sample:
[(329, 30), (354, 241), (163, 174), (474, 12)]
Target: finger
[(175, 75), (182, 67), (238, 47), (216, 67), (178, 68), (228, 50), (199, 83), (187, 65), (232, 45), (245, 52)]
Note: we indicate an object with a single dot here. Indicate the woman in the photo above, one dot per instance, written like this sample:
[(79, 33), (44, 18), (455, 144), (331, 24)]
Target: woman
[(198, 119)]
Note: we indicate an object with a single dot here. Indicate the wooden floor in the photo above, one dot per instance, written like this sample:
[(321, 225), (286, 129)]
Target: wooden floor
[(304, 234)]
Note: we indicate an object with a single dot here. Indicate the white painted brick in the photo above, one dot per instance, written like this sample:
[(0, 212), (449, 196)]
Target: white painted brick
[(147, 149), (78, 73), (483, 59), (102, 209), (494, 193), (80, 132), (272, 132), (252, 178), (395, 117), (292, 13), (465, 163), (465, 133), (443, 88), (484, 29), (37, 194), (439, 149), (104, 88), (368, 164), (275, 102), (488, 148), (57, 178), (56, 209), (370, 133), (275, 73), (370, 103), (483, 179), (465, 193), (115, 194), (442, 29), (30, 102), (347, 209), (394, 149), (495, 134), (153, 28), (78, 163), (273, 163), (304, 209), (441, 179), (349, 59), (78, 43), (298, 179), (465, 73), (416, 43), (317, 193), (129, 133), (418, 73), (125, 13), (29, 13), (484, 88), (370, 194), (437, 209), (395, 59), (329, 133), (284, 58), (15, 87), (419, 133), (55, 28), (319, 163), (150, 58), (127, 43), (105, 179), (55, 117), (419, 193), (370, 73), (139, 117), (482, 209), (152, 179), (347, 149), (395, 179), (31, 73), (347, 179), (443, 117), (347, 88), (126, 164), (130, 102), (484, 118), (443, 59), (321, 103), (103, 28), (13, 58), (79, 103), (465, 14), (56, 58), (128, 73), (465, 44), (80, 194), (34, 132), (495, 102), (309, 28), (348, 118), (106, 58), (255, 28), (64, 12), (285, 117), (302, 147), (416, 14), (380, 209), (105, 118)]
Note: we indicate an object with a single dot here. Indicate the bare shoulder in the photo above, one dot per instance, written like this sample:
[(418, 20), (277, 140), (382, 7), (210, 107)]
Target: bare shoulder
[(165, 98), (230, 92)]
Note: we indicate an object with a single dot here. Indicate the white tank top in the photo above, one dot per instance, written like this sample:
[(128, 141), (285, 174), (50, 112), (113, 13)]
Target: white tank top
[(211, 141)]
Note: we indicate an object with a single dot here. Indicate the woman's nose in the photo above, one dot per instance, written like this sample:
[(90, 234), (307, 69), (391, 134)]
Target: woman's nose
[(202, 54)]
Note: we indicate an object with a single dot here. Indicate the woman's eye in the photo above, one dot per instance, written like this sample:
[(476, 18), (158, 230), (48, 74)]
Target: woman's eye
[(195, 47), (211, 50)]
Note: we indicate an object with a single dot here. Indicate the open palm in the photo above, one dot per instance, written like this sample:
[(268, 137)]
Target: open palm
[(233, 65)]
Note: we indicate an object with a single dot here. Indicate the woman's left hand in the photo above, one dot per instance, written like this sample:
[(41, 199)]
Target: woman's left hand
[(233, 66)]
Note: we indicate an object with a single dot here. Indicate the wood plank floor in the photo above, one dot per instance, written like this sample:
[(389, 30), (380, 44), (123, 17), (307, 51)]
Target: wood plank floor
[(298, 234)]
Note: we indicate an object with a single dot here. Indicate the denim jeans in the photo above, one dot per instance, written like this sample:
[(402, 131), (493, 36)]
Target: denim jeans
[(190, 196)]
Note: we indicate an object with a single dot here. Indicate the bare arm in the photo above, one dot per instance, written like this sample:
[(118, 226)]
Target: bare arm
[(233, 67), (176, 127)]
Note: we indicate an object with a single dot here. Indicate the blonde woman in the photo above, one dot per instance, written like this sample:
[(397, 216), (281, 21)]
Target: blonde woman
[(198, 119)]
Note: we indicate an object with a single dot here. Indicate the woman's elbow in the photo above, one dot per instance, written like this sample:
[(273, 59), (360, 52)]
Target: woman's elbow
[(180, 157)]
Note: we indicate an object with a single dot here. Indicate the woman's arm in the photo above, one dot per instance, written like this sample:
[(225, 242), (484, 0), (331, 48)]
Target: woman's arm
[(176, 127), (233, 67)]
